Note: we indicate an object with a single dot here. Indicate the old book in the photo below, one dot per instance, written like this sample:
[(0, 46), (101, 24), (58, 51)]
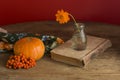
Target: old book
[(64, 53)]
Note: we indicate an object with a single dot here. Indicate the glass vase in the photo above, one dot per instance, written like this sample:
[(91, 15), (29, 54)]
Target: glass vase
[(79, 39)]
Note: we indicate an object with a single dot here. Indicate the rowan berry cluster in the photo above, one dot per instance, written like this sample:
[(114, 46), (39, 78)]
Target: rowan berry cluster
[(20, 61)]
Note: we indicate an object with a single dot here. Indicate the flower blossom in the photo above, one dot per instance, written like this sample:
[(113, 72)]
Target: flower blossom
[(63, 17)]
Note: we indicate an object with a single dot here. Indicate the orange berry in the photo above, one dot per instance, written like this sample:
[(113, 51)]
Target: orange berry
[(9, 67)]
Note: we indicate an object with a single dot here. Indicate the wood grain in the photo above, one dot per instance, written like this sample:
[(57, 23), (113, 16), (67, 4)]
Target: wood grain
[(105, 66)]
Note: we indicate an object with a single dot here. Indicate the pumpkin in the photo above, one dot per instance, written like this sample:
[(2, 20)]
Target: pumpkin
[(31, 47)]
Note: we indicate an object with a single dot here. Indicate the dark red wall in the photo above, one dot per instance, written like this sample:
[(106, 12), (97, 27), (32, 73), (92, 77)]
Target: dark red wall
[(15, 11)]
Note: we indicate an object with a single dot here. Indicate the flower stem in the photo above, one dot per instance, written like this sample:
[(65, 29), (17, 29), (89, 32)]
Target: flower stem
[(73, 18), (75, 22)]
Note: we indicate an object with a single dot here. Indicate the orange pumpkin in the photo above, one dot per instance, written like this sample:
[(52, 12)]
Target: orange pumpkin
[(31, 47)]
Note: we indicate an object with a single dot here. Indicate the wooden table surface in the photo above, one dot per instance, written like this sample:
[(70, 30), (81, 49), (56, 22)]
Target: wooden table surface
[(105, 66)]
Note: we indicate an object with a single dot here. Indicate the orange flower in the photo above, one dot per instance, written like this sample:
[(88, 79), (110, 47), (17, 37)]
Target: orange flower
[(62, 16)]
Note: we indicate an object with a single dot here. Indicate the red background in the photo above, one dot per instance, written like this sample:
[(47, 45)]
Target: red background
[(16, 11)]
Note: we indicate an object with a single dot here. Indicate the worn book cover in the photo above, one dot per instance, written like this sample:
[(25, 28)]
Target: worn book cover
[(64, 53)]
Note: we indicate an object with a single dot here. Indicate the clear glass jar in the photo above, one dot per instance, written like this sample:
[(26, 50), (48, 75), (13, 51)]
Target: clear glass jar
[(79, 39)]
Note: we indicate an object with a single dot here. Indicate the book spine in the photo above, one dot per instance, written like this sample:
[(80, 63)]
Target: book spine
[(99, 49)]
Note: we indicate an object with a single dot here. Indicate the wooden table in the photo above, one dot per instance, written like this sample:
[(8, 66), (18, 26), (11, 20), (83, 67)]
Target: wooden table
[(105, 66)]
